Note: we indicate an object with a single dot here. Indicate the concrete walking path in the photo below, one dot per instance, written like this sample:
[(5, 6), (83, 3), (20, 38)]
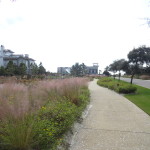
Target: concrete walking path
[(112, 123)]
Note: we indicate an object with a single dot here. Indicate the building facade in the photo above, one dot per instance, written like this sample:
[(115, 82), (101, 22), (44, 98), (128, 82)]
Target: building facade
[(63, 70), (7, 55), (90, 70)]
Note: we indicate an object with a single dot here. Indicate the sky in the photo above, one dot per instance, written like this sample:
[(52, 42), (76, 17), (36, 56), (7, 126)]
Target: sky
[(60, 33)]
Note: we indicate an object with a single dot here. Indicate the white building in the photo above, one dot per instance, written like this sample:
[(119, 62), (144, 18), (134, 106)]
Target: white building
[(63, 70), (7, 55), (90, 70)]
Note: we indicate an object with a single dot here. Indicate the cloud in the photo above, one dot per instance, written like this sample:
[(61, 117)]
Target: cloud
[(63, 32)]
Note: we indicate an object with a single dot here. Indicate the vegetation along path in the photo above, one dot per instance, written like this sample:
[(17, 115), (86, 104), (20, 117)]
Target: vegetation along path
[(112, 123)]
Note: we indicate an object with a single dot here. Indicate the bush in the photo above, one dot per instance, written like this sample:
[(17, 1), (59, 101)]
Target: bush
[(111, 85), (116, 85), (106, 79), (53, 120), (126, 89)]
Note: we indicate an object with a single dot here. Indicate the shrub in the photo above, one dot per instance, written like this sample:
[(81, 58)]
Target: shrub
[(111, 85), (106, 79), (126, 89), (53, 121), (116, 85)]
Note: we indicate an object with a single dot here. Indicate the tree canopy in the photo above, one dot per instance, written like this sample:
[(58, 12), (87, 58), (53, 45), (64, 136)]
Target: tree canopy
[(78, 70), (137, 58), (12, 69), (41, 69), (138, 62)]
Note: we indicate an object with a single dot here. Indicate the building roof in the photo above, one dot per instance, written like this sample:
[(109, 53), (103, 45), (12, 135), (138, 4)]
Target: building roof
[(16, 57), (8, 50)]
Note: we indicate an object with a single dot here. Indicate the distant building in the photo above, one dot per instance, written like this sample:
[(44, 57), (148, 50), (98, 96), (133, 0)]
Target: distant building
[(7, 55), (63, 70), (91, 70)]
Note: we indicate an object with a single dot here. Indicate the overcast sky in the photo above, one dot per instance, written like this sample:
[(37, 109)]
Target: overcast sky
[(63, 32)]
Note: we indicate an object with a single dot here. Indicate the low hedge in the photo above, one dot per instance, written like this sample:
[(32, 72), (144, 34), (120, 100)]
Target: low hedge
[(116, 85), (126, 89)]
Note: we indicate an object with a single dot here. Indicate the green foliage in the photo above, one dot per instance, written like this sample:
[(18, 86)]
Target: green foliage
[(106, 73), (2, 71), (78, 70), (34, 69), (57, 117), (10, 68), (41, 69), (54, 120), (113, 67), (126, 89), (116, 66), (16, 133), (118, 86), (21, 70), (138, 57)]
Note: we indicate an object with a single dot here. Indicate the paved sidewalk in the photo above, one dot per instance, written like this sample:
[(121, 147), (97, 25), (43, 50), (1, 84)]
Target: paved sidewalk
[(112, 123)]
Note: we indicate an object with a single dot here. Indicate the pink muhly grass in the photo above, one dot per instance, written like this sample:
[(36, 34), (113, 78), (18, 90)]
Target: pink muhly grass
[(18, 99), (19, 104), (15, 120), (65, 88), (13, 100), (71, 88), (57, 89)]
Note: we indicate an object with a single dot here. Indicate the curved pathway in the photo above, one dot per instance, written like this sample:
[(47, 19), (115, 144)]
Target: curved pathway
[(112, 123)]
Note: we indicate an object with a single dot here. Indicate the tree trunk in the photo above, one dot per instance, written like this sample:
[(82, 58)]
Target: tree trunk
[(119, 75), (132, 78), (114, 76)]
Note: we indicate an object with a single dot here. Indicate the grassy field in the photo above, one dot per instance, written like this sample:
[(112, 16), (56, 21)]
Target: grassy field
[(141, 98)]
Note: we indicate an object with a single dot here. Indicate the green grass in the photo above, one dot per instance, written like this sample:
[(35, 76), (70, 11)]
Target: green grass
[(141, 98)]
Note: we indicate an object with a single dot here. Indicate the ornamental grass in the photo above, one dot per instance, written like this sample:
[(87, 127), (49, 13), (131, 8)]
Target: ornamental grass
[(35, 116)]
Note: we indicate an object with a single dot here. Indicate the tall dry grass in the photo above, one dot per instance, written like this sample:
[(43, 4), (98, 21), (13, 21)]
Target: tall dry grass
[(18, 99), (20, 103), (145, 77), (13, 100), (68, 88)]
